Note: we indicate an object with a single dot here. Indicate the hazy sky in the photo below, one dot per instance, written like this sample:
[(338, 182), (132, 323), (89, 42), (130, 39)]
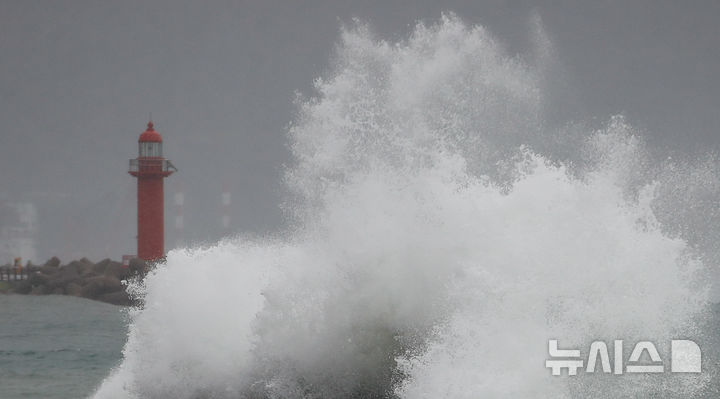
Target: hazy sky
[(78, 79)]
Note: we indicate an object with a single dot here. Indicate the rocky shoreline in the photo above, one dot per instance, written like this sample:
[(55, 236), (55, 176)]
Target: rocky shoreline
[(102, 281)]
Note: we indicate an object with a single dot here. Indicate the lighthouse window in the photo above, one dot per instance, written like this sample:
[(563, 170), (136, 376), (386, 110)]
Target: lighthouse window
[(150, 149)]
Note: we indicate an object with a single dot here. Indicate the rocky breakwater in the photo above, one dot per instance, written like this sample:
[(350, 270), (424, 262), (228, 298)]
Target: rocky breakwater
[(102, 281)]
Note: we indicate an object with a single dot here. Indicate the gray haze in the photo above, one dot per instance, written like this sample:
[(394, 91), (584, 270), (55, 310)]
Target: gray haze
[(78, 79)]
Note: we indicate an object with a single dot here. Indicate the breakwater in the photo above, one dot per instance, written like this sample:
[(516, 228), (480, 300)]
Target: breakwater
[(103, 281)]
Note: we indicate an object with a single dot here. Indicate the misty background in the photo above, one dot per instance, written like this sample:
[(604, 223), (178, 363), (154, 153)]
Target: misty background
[(78, 80)]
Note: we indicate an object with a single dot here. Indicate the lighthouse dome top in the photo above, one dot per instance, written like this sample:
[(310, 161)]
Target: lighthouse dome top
[(150, 135)]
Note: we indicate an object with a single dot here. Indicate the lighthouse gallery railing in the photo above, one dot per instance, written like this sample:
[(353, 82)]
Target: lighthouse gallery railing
[(151, 165)]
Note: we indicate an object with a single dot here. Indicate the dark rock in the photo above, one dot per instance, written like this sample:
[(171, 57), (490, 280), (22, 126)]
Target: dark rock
[(116, 298), (62, 281), (138, 266), (39, 290), (86, 269), (73, 289), (88, 276), (38, 278), (101, 281), (65, 275), (71, 269), (49, 269), (110, 268), (79, 267), (22, 287), (99, 267), (101, 285), (53, 262), (116, 269)]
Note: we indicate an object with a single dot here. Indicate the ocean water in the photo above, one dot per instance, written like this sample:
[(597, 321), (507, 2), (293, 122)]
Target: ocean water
[(441, 231), (63, 347), (57, 346)]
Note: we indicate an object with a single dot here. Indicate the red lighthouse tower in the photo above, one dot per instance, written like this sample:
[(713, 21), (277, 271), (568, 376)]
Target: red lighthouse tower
[(150, 168)]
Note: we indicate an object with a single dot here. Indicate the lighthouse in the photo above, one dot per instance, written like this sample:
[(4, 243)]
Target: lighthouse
[(150, 168)]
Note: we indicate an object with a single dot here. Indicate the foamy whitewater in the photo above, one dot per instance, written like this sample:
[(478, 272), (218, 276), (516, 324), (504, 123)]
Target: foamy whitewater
[(441, 234)]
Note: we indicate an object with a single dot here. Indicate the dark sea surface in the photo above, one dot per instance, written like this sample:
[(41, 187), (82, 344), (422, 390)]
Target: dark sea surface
[(57, 346)]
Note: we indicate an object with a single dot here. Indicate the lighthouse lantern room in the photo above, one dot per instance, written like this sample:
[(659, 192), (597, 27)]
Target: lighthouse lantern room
[(150, 168)]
